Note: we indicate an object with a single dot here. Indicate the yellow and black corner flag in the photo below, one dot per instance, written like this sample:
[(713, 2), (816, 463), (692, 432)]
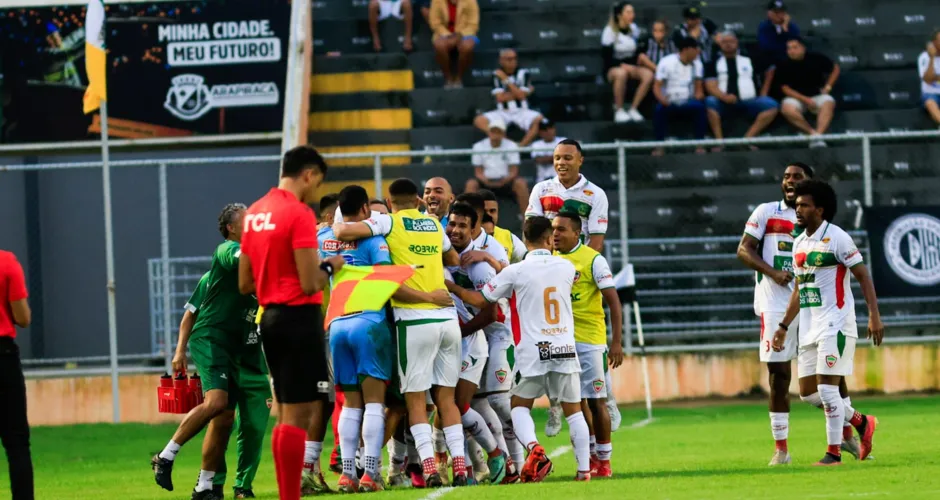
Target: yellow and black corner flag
[(95, 59)]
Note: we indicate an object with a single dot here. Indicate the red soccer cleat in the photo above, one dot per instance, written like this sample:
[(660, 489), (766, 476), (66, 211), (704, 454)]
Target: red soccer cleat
[(870, 424), (582, 476), (603, 469), (537, 465)]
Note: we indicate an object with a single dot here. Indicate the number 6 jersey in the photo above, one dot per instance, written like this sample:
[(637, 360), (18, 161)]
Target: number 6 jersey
[(542, 284)]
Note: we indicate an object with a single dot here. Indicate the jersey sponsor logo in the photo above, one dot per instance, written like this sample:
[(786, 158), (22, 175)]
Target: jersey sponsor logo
[(779, 226), (548, 352), (598, 385), (579, 207), (910, 247), (554, 331), (501, 375), (323, 387), (607, 276), (783, 263), (831, 360), (339, 246), (752, 224), (784, 246), (810, 297), (602, 220), (252, 338), (419, 225), (576, 297), (424, 249), (258, 222)]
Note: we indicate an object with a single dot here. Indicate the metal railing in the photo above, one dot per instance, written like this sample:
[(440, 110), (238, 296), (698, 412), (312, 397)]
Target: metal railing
[(621, 245)]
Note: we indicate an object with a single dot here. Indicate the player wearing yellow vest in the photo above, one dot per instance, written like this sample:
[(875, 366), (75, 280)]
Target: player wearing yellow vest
[(593, 281), (515, 248), (428, 334)]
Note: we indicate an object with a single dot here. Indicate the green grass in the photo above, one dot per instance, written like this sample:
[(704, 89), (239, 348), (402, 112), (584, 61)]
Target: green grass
[(705, 452)]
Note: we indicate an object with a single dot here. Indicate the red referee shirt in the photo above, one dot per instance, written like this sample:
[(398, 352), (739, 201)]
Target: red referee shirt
[(12, 288), (275, 226)]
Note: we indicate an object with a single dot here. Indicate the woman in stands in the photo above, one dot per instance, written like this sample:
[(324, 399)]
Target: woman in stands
[(658, 46), (620, 50)]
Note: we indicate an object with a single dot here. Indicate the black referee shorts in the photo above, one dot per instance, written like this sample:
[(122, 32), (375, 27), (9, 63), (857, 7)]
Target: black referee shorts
[(292, 337)]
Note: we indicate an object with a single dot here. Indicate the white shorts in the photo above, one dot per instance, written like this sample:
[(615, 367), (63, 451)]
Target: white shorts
[(523, 118), (593, 360), (429, 354), (563, 387), (474, 354), (818, 99), (830, 355), (499, 369), (769, 322), (390, 8)]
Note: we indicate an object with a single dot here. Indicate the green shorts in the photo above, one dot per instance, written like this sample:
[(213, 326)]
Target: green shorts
[(215, 364)]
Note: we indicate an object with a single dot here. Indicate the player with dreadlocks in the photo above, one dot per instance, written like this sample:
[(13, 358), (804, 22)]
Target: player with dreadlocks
[(218, 327)]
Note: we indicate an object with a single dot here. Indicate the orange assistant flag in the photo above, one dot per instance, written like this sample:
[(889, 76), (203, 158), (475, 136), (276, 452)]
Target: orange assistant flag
[(364, 288), (95, 58)]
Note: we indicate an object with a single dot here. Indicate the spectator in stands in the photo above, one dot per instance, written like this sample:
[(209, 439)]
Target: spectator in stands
[(620, 50), (928, 64), (703, 31), (380, 10), (544, 160), (657, 46), (455, 24), (424, 7), (806, 79), (773, 33), (731, 83), (678, 89), (498, 172), (511, 89)]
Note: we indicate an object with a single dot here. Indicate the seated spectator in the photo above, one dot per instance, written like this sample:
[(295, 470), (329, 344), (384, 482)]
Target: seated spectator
[(806, 79), (545, 160), (424, 7), (703, 31), (657, 46), (678, 89), (620, 50), (731, 84), (498, 172), (773, 33), (928, 65), (380, 10), (455, 24), (511, 89)]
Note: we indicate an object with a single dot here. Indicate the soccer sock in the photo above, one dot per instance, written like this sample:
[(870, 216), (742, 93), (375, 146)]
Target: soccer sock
[(524, 426), (500, 404), (835, 410), (604, 451), (474, 424), (288, 447), (373, 429), (312, 451), (205, 480), (813, 399), (853, 417), (169, 453), (593, 445), (780, 427), (350, 422), (454, 436), (422, 435), (440, 442), (397, 453), (475, 452), (578, 429), (482, 406)]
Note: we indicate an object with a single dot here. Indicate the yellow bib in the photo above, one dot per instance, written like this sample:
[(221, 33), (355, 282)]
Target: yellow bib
[(504, 237), (586, 300), (416, 240)]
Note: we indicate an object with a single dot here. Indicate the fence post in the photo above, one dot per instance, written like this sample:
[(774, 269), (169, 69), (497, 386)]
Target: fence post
[(377, 175), (622, 198), (165, 263), (866, 170)]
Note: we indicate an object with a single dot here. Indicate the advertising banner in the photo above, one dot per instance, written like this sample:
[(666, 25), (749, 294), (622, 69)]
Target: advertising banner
[(174, 69), (905, 250)]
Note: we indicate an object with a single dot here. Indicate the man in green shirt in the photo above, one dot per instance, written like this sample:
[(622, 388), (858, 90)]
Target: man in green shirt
[(226, 350)]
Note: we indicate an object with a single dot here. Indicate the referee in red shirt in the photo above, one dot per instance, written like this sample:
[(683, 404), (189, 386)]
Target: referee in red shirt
[(279, 263), (14, 428)]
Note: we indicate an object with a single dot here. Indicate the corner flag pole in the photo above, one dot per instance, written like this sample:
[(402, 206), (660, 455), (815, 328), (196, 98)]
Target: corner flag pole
[(109, 263), (646, 369)]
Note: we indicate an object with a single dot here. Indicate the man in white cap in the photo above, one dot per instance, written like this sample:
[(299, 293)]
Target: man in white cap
[(498, 171)]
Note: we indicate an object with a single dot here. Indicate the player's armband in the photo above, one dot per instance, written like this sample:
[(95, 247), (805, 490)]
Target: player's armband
[(258, 316)]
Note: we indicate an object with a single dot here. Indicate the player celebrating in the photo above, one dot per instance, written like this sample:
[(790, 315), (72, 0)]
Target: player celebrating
[(428, 335), (215, 349), (280, 263), (593, 281), (438, 196), (823, 298), (547, 363), (515, 249), (767, 248)]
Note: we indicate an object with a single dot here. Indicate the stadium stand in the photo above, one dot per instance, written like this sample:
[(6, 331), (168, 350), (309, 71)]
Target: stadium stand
[(680, 195)]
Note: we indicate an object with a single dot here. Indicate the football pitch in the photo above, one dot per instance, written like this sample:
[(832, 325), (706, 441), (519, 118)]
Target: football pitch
[(695, 451)]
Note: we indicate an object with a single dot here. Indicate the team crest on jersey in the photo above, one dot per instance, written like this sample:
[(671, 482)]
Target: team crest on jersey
[(501, 375), (464, 366), (826, 239), (831, 360), (577, 276), (819, 259), (589, 192), (269, 402), (598, 385)]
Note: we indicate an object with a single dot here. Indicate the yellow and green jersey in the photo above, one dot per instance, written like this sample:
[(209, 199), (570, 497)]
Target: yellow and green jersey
[(592, 274)]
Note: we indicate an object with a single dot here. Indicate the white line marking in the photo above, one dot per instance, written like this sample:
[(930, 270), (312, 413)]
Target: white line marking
[(561, 450), (641, 423)]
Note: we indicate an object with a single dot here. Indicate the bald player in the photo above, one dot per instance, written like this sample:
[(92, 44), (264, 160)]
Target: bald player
[(438, 197)]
